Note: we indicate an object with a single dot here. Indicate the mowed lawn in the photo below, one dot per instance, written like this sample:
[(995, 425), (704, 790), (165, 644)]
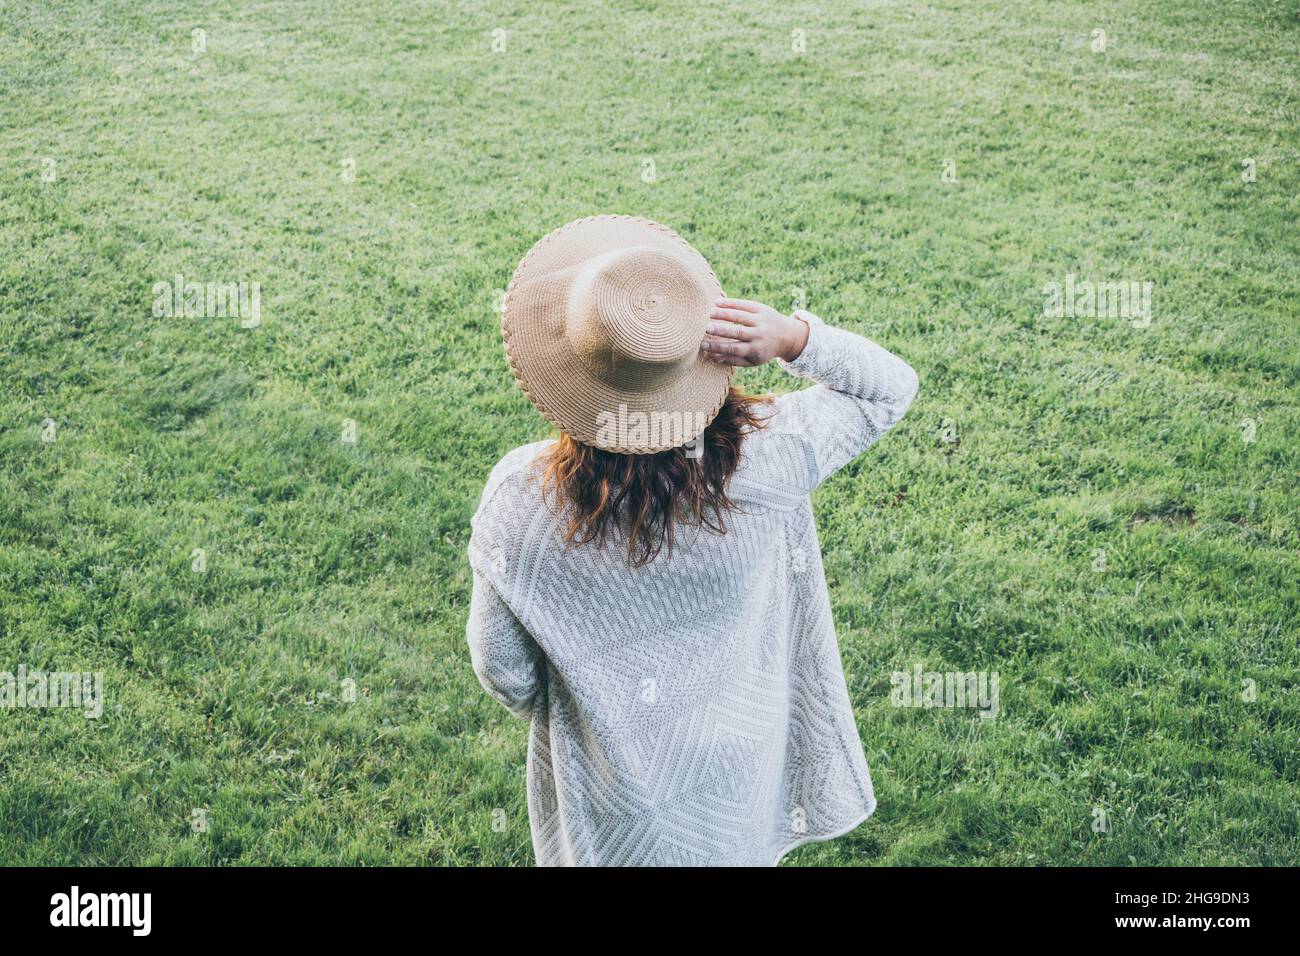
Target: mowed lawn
[(1102, 509)]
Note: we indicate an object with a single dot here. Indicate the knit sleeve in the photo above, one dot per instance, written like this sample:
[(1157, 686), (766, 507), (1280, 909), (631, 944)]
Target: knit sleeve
[(862, 391), (507, 661)]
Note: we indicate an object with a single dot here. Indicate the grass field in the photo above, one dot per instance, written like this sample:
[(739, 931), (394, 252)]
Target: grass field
[(1103, 510)]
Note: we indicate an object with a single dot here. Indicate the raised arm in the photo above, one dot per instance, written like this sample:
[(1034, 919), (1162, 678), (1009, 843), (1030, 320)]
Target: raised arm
[(862, 389)]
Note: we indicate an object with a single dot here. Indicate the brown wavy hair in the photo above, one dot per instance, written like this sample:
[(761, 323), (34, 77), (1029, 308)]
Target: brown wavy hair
[(643, 499)]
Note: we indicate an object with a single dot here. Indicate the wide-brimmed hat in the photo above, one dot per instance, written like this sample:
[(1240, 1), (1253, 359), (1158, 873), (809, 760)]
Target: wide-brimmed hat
[(603, 322)]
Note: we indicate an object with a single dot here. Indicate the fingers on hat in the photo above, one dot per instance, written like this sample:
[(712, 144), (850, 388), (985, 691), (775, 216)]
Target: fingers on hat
[(743, 305), (734, 315), (729, 330), (718, 347), (717, 358)]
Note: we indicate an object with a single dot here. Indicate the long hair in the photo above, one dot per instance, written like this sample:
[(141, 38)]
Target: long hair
[(643, 499)]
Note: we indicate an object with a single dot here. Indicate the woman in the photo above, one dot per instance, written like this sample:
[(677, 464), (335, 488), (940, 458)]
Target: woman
[(648, 587)]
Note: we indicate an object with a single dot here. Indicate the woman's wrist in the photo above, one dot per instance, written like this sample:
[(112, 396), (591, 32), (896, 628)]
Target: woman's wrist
[(796, 339)]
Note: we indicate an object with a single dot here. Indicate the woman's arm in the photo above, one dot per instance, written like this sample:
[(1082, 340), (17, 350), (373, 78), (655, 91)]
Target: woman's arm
[(862, 389), (507, 661)]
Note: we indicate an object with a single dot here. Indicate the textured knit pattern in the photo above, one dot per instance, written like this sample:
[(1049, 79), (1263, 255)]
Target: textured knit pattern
[(692, 711)]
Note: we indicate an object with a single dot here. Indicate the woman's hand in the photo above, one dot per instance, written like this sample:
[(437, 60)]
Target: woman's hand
[(741, 332)]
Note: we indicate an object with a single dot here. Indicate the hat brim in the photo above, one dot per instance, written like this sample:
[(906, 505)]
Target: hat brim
[(561, 387)]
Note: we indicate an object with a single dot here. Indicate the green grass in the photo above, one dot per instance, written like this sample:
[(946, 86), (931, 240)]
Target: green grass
[(1121, 689)]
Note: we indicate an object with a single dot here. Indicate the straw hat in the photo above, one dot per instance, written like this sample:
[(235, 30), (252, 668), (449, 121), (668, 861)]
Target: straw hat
[(603, 321)]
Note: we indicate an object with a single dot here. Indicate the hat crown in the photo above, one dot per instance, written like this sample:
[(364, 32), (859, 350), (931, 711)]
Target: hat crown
[(636, 317)]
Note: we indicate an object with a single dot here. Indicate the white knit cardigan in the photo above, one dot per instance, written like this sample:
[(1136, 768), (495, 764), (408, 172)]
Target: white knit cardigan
[(692, 711)]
